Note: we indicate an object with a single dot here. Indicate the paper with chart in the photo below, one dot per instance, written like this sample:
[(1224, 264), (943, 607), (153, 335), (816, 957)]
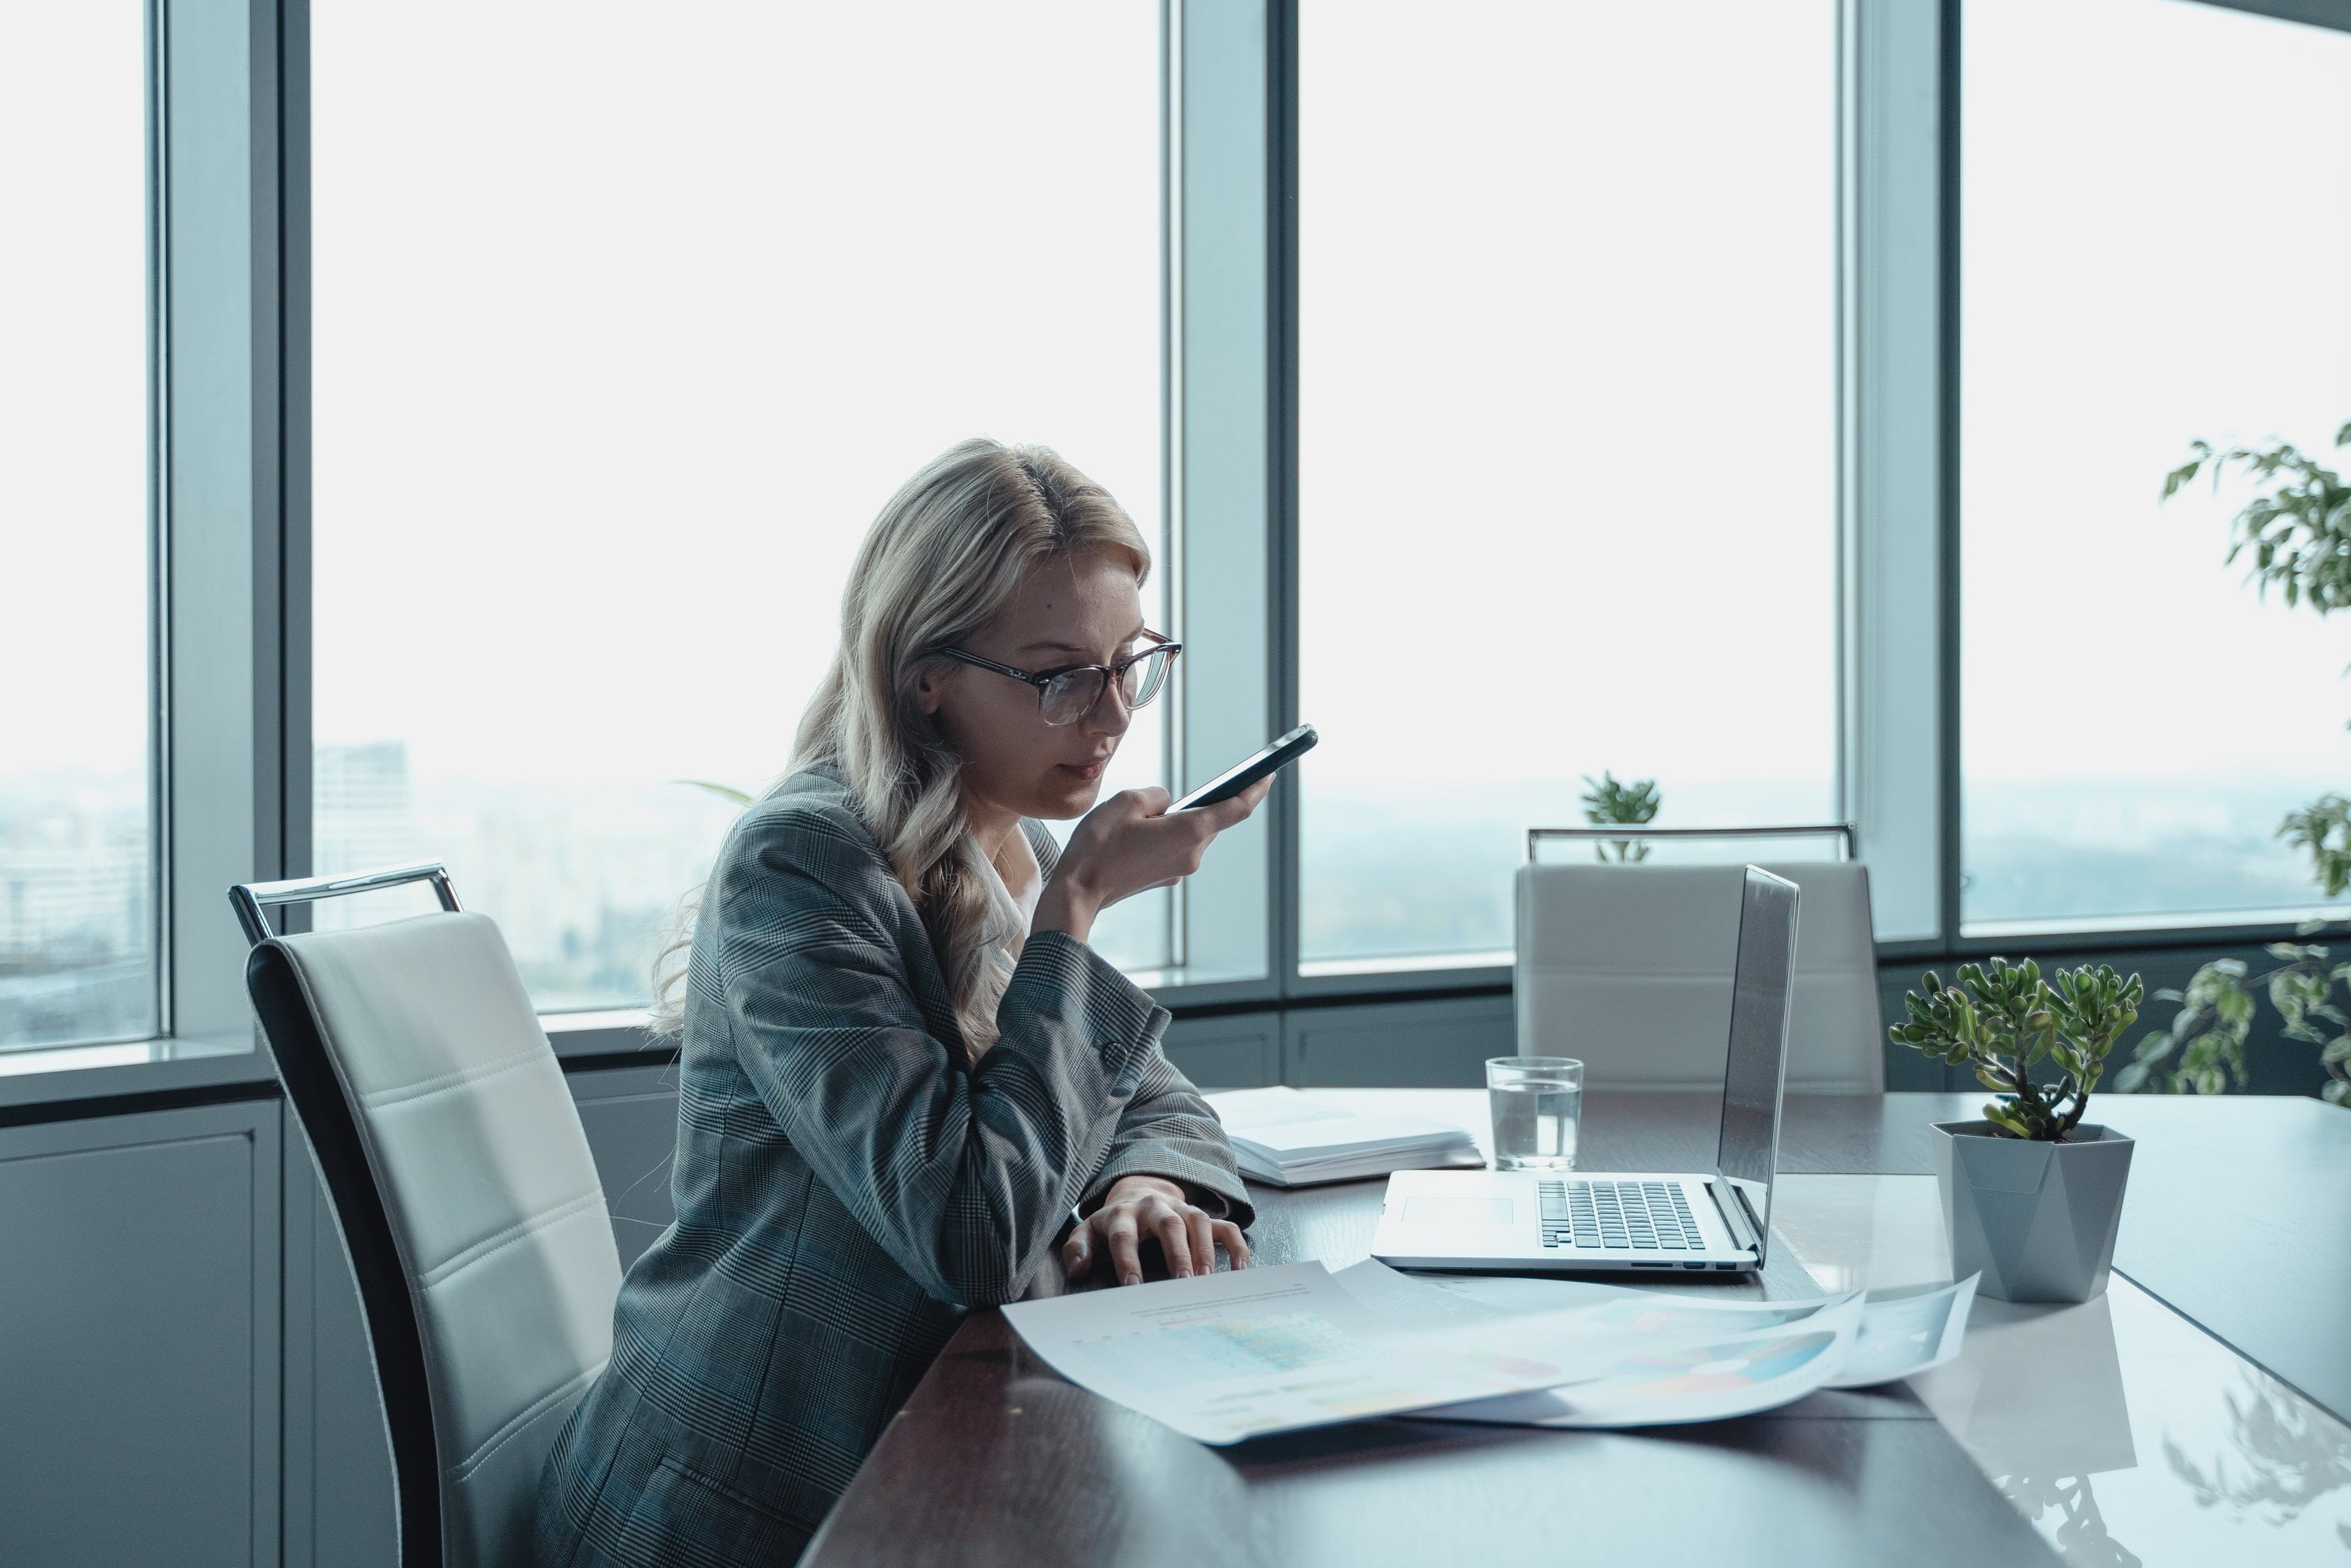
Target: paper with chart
[(1907, 1334), (1729, 1372), (1899, 1336), (1653, 1312), (1221, 1357)]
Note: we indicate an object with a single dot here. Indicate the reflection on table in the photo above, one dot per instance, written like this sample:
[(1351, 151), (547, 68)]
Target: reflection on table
[(2126, 1433)]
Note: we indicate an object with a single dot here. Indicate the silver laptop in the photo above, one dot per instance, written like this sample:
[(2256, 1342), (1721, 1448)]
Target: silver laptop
[(1524, 1222)]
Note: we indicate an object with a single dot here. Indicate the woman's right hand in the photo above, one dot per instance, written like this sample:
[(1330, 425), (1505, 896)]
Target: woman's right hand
[(1130, 844)]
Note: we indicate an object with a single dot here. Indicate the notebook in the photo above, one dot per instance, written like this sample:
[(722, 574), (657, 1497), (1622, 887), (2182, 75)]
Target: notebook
[(1284, 1138)]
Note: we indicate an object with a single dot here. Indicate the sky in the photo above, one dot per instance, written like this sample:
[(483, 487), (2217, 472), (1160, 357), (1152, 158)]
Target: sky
[(1567, 398), (73, 387), (614, 366)]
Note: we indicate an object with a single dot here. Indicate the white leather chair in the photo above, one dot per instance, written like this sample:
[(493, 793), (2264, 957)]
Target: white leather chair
[(464, 1190), (1627, 967)]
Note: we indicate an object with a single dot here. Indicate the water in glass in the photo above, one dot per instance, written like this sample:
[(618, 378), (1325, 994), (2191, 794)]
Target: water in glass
[(1535, 1123)]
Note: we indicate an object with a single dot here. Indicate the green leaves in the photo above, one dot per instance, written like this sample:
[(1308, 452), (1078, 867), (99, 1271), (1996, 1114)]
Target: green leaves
[(2004, 1019), (1610, 801), (2297, 529), (2203, 1051), (723, 791), (2323, 827)]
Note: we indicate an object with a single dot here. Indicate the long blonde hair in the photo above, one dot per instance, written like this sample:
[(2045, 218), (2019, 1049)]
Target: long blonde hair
[(943, 558)]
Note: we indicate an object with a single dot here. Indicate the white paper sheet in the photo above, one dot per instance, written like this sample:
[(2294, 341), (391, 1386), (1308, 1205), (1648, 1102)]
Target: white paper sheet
[(1651, 1312), (1221, 1357), (1709, 1379), (1907, 1334)]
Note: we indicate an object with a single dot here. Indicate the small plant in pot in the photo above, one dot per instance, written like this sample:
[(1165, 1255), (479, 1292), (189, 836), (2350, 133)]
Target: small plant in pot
[(2033, 1194)]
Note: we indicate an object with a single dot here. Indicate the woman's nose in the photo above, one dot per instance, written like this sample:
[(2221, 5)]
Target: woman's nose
[(1111, 714)]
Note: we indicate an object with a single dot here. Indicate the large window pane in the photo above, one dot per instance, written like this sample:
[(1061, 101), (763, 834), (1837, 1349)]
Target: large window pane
[(1567, 352), (623, 334), (76, 883), (2154, 230)]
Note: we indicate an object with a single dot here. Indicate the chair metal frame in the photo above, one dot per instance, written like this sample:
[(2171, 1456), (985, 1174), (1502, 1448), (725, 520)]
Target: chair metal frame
[(1634, 832), (394, 1335)]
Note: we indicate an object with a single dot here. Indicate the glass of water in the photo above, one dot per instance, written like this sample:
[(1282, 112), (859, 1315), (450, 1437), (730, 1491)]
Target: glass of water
[(1538, 1104)]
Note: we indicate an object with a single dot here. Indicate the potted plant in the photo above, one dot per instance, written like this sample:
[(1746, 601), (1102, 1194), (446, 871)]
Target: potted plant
[(1610, 801), (2032, 1194)]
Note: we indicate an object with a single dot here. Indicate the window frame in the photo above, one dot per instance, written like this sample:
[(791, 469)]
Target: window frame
[(2052, 935), (229, 291)]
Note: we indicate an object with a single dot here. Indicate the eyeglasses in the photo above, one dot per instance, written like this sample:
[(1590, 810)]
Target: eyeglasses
[(1067, 694)]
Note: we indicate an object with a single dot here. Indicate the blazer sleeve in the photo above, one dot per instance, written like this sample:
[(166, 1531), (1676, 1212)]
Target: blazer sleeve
[(963, 1177), (1167, 1129)]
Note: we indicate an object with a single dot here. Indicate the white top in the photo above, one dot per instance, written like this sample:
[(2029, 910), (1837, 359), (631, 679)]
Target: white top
[(1016, 907)]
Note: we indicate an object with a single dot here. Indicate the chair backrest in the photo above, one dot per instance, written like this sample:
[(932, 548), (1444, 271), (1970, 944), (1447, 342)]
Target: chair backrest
[(469, 1202), (1628, 968)]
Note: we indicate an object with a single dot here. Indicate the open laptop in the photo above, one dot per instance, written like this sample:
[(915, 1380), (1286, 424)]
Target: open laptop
[(1522, 1222)]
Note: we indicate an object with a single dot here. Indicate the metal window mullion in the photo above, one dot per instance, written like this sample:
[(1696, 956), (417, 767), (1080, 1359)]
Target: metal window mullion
[(222, 631), (159, 447), (1896, 658), (1283, 880), (1219, 489)]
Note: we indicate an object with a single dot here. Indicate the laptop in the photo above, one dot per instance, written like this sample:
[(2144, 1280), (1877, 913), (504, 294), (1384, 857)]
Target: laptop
[(1529, 1222)]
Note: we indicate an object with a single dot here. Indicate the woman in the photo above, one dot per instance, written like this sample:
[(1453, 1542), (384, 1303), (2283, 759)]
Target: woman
[(902, 1068)]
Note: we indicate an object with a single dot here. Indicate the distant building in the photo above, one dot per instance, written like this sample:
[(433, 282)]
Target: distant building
[(363, 812)]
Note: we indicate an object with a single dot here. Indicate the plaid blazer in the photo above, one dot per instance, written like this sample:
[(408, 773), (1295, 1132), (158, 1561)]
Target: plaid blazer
[(846, 1189)]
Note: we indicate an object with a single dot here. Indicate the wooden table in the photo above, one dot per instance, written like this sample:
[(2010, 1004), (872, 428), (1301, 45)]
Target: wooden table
[(2235, 1221)]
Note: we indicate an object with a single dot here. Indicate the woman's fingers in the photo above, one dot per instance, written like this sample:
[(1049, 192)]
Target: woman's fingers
[(1168, 1224), (1235, 1244), (1075, 1252), (1203, 1239), (1224, 813), (1126, 1259)]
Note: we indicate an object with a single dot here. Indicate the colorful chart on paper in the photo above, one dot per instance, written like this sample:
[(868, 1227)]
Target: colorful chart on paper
[(1708, 1370)]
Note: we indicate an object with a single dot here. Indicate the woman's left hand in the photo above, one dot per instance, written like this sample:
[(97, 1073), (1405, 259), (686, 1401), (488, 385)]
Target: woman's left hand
[(1141, 1206)]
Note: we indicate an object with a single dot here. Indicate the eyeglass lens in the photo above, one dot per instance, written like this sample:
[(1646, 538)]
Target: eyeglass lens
[(1069, 698)]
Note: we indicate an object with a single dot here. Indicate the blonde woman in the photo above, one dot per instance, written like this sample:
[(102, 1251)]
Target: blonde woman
[(901, 1066)]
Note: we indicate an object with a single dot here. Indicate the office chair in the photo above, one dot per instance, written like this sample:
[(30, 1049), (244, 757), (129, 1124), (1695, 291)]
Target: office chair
[(1628, 968), (464, 1190)]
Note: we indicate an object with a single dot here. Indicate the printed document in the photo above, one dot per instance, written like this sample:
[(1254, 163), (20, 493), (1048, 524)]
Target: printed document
[(1723, 1374), (1221, 1357)]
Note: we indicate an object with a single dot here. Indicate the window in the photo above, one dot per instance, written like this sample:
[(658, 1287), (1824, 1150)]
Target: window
[(78, 893), (1567, 439), (622, 335), (2154, 213)]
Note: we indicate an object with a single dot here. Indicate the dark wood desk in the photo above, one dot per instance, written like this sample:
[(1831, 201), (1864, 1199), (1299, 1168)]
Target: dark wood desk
[(997, 1460)]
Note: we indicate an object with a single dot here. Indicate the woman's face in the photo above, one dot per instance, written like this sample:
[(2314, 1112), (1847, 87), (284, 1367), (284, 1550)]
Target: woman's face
[(1082, 609)]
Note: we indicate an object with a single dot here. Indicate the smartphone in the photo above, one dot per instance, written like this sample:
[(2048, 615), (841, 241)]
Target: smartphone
[(1240, 777)]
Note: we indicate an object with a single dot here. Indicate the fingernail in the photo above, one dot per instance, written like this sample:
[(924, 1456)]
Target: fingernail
[(1182, 1273)]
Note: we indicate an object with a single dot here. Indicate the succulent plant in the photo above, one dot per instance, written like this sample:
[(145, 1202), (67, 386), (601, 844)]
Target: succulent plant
[(2005, 1021)]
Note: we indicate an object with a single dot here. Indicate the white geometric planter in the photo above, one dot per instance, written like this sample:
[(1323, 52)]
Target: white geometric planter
[(2037, 1219)]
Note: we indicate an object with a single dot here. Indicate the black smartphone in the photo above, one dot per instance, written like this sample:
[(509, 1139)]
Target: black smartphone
[(1241, 776)]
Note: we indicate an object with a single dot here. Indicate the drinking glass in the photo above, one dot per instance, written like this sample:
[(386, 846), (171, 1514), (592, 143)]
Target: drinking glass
[(1538, 1104)]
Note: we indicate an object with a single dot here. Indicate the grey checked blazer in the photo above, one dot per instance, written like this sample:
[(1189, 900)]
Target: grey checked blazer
[(846, 1190)]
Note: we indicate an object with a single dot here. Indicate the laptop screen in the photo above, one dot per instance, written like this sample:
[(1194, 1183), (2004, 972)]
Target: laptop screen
[(1756, 1069)]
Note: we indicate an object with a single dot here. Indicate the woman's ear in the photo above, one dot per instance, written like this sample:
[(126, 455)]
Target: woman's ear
[(927, 692)]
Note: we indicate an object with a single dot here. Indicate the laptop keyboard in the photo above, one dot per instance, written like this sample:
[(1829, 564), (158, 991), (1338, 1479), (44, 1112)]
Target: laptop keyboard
[(1617, 1215)]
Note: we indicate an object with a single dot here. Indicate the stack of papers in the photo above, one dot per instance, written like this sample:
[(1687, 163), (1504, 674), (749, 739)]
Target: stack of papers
[(1223, 1357), (1284, 1138)]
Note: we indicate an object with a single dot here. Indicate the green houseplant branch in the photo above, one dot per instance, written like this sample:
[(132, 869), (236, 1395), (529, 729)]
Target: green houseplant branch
[(1610, 801), (2296, 531), (2004, 1019), (2203, 1051)]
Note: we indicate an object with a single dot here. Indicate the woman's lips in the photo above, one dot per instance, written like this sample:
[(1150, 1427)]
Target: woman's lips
[(1086, 769)]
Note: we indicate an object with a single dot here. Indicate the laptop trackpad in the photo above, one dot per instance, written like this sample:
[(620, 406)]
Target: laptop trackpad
[(1457, 1211)]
